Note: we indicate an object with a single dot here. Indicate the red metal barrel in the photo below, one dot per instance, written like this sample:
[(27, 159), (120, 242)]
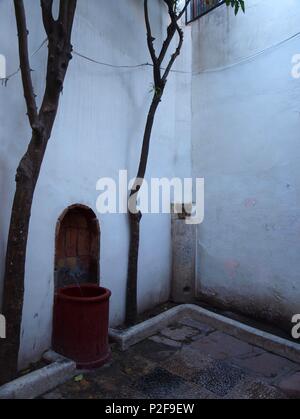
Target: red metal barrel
[(80, 326)]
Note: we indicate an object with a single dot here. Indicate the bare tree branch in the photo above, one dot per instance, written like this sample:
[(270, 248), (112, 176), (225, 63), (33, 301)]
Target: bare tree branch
[(150, 41), (170, 31), (48, 19), (25, 64), (150, 38), (176, 54), (66, 13), (183, 10), (71, 13)]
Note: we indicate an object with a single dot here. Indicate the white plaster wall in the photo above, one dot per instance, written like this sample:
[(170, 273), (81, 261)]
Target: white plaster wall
[(245, 136), (98, 131)]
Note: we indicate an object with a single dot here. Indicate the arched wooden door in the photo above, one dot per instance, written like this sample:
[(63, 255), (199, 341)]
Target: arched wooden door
[(77, 247)]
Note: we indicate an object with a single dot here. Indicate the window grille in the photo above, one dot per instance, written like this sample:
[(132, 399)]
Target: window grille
[(198, 8)]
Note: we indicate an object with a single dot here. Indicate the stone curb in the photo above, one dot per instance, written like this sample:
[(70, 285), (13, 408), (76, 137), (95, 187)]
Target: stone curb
[(256, 337), (139, 332), (41, 381)]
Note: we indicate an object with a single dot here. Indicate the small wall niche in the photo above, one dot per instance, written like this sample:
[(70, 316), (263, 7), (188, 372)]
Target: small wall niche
[(77, 247)]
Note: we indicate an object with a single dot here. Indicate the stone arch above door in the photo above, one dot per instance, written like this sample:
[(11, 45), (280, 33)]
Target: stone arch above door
[(77, 247)]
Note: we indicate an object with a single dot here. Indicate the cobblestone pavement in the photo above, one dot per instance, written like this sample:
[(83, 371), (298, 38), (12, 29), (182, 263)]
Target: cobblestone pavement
[(188, 360)]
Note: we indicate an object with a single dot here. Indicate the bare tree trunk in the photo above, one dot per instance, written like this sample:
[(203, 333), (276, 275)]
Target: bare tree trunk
[(15, 264), (59, 55), (134, 225), (135, 219), (160, 81)]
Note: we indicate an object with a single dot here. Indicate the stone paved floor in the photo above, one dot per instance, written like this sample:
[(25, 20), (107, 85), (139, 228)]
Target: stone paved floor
[(188, 360)]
